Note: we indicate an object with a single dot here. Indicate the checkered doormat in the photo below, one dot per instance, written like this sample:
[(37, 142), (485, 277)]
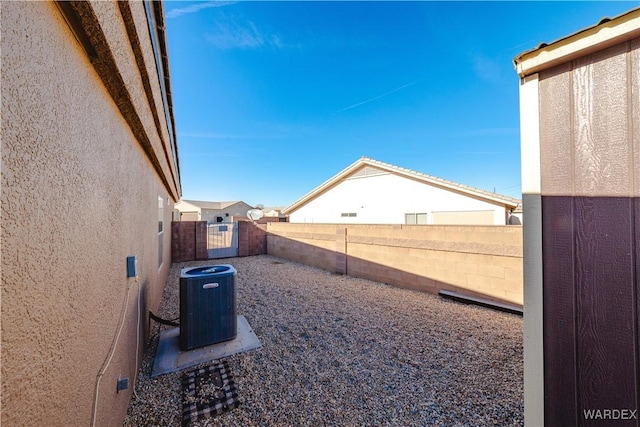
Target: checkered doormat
[(207, 392)]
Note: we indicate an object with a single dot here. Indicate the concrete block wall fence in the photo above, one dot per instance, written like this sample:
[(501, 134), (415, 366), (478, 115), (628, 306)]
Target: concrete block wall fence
[(481, 261), (188, 241), (252, 238)]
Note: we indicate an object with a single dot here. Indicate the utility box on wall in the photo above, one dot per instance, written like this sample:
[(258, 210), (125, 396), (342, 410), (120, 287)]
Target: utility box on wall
[(207, 306)]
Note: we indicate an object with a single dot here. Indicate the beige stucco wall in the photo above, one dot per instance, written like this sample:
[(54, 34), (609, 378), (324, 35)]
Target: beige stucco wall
[(188, 212), (476, 260), (228, 213), (79, 195)]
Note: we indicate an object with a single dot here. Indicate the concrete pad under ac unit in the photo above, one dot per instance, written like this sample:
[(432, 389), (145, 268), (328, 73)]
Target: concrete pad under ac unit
[(169, 358)]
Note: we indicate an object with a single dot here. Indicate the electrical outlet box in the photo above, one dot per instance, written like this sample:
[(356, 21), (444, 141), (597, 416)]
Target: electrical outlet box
[(122, 384), (132, 266)]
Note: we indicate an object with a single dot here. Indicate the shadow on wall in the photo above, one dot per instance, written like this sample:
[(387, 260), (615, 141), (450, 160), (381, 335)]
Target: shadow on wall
[(430, 272), (481, 262), (514, 220)]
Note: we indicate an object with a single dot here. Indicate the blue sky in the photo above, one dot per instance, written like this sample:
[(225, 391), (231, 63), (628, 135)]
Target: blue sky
[(273, 98)]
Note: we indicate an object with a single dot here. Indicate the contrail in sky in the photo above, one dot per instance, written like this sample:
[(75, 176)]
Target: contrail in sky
[(378, 97), (174, 13)]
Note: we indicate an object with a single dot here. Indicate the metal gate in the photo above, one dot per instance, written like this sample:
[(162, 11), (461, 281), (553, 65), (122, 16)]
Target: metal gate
[(222, 240)]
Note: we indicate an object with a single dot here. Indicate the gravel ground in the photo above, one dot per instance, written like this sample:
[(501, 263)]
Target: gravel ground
[(341, 351)]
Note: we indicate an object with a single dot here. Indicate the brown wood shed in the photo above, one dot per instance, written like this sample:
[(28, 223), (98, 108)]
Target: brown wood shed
[(580, 133)]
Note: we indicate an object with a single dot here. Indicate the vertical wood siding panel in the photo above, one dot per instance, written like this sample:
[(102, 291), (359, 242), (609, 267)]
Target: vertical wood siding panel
[(559, 328), (602, 140), (559, 311), (586, 164), (636, 259), (589, 141), (606, 303), (556, 144), (634, 56), (634, 126)]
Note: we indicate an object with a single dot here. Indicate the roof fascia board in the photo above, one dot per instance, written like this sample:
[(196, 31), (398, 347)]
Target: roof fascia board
[(617, 30)]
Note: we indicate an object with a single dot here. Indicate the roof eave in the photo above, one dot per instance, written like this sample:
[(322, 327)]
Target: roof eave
[(604, 34)]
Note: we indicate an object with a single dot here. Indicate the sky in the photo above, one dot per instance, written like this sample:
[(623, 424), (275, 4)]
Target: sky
[(271, 99)]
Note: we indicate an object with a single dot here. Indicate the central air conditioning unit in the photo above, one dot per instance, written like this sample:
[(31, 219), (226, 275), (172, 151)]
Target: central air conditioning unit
[(207, 306)]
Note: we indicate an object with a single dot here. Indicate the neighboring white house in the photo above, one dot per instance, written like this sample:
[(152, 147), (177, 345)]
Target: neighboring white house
[(187, 211), (196, 210), (271, 212), (274, 212), (372, 192)]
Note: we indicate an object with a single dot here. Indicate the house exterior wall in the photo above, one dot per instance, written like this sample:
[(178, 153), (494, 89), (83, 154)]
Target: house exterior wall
[(190, 216), (483, 261), (227, 214), (385, 199), (81, 191), (188, 212), (582, 202), (191, 212), (464, 217)]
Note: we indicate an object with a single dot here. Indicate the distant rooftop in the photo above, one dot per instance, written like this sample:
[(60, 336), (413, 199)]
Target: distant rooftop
[(212, 205), (386, 167)]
